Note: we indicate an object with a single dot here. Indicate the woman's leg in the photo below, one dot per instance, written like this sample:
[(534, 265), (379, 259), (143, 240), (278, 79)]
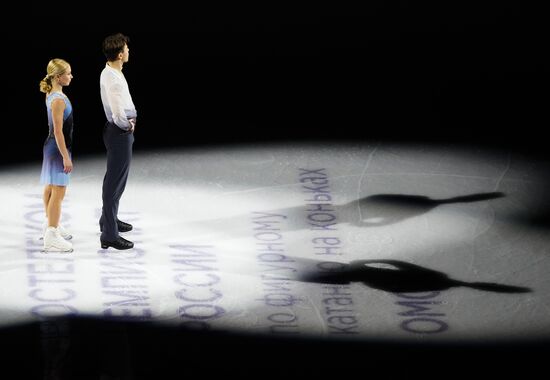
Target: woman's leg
[(46, 197), (54, 205), (53, 240)]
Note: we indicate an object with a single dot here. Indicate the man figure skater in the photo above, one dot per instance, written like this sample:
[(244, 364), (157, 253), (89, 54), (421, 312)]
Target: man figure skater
[(118, 136)]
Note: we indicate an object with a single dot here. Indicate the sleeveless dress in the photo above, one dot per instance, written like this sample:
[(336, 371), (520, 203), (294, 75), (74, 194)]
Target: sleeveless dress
[(52, 163)]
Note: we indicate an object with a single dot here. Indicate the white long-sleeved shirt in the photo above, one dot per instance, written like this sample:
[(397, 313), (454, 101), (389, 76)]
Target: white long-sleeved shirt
[(116, 98)]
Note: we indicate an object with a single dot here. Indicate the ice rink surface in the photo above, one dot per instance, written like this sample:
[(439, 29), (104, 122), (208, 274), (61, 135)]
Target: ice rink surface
[(366, 241)]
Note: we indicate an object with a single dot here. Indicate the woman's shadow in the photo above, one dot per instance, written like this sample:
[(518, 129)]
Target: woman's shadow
[(389, 275), (371, 211), (384, 209)]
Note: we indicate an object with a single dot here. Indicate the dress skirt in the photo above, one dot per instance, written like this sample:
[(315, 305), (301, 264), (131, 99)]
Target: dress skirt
[(52, 165)]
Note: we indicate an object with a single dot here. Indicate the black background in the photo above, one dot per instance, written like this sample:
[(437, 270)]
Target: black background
[(224, 74)]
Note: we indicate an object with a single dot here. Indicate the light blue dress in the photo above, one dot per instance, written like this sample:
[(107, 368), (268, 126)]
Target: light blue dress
[(52, 163)]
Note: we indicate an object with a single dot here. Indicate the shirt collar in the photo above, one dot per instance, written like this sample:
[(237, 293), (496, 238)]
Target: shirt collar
[(119, 73)]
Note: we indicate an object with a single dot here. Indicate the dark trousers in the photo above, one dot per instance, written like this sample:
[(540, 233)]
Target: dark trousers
[(119, 154)]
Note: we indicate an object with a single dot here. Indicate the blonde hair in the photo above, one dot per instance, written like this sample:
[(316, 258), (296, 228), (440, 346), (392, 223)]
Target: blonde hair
[(56, 66)]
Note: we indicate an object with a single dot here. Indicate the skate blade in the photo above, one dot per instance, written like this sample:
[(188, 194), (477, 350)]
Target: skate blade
[(55, 250), (67, 238)]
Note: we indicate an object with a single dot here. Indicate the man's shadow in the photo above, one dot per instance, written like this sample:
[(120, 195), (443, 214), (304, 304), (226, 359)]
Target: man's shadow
[(389, 275), (384, 209)]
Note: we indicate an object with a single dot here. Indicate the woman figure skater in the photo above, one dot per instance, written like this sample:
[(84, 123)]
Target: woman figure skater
[(57, 164)]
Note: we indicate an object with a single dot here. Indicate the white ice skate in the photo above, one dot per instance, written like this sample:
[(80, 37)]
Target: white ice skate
[(54, 242), (64, 233)]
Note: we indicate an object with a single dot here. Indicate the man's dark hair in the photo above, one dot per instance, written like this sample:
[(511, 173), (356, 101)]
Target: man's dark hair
[(113, 45)]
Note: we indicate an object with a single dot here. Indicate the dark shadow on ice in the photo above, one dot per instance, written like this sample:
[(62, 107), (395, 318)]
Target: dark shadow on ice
[(383, 209), (389, 275), (535, 215), (371, 211)]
